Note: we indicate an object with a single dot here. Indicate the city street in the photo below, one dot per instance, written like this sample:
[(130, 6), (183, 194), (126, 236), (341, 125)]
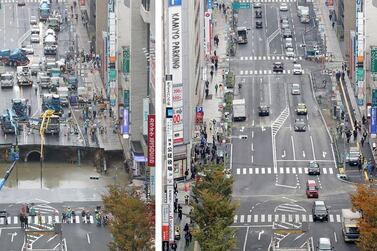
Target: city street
[(272, 171)]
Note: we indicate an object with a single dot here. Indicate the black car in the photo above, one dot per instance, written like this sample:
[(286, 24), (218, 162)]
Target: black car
[(21, 3), (283, 18), (258, 14), (300, 125), (258, 24), (263, 110), (257, 5), (287, 33), (320, 211), (278, 67), (314, 168)]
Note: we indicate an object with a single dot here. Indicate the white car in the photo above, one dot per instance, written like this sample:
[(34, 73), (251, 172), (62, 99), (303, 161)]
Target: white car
[(27, 49), (289, 52), (296, 90), (324, 244), (285, 25), (33, 20), (288, 45), (34, 38), (297, 69), (283, 7)]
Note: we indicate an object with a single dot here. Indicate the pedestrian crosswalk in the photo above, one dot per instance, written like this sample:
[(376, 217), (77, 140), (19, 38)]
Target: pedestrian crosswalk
[(277, 58), (265, 72), (270, 218), (45, 220), (280, 170), (28, 1)]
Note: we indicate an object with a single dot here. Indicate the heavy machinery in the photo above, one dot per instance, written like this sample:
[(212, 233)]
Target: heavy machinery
[(52, 102), (9, 123), (6, 79), (20, 109), (24, 76), (49, 124), (14, 57)]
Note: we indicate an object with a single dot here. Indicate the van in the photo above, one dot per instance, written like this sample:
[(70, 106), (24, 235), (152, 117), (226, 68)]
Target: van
[(353, 156), (312, 189), (34, 69)]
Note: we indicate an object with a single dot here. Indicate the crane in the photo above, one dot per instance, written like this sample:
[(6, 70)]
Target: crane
[(46, 117)]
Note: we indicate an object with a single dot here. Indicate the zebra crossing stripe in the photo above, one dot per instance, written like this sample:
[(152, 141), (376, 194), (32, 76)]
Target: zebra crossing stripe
[(43, 219), (238, 171), (331, 171), (248, 218), (331, 218), (255, 218), (310, 218), (338, 217), (297, 218), (235, 218), (269, 218), (290, 217), (49, 220), (262, 218), (250, 170), (304, 218), (283, 218), (306, 170), (263, 170), (256, 170), (269, 170), (244, 170), (15, 219), (242, 218), (287, 170), (324, 170), (293, 170), (57, 219), (276, 217), (300, 170)]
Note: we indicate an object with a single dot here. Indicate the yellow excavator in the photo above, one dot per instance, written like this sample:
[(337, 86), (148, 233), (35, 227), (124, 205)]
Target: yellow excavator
[(49, 124)]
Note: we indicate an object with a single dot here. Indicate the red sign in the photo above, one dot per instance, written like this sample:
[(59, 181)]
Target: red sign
[(165, 233), (199, 117), (151, 140), (82, 2)]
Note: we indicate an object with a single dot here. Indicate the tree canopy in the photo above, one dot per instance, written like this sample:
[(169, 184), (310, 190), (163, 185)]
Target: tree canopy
[(131, 225), (365, 200)]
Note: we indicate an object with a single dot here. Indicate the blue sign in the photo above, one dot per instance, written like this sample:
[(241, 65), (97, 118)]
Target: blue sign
[(199, 109), (169, 112), (126, 128), (209, 4), (373, 120), (359, 5), (175, 3)]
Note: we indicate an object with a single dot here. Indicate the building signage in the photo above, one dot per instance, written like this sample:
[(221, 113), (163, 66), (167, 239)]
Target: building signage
[(373, 58), (126, 60), (373, 121), (170, 200), (165, 222), (374, 97), (145, 115), (359, 7), (151, 140), (126, 128), (175, 64), (209, 4), (126, 99), (110, 5), (152, 178), (208, 30), (169, 151)]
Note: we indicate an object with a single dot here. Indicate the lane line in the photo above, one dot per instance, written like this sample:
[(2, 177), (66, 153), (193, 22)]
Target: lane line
[(311, 141), (293, 148)]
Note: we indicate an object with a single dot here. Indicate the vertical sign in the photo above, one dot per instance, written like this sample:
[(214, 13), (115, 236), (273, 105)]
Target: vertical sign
[(126, 128), (165, 222), (374, 97), (170, 155), (152, 177), (373, 122), (145, 115), (151, 140), (207, 28), (175, 66), (126, 60), (373, 58), (126, 99)]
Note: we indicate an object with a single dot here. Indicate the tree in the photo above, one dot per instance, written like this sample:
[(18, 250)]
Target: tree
[(131, 225), (365, 200), (213, 210)]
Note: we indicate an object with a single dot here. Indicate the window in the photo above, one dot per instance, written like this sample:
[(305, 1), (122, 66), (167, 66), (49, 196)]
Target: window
[(146, 4)]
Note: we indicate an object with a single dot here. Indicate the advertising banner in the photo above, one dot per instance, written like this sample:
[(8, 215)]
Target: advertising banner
[(373, 58), (170, 200), (151, 140), (207, 29), (126, 128), (126, 99), (126, 60), (373, 121), (145, 115), (374, 97), (152, 178)]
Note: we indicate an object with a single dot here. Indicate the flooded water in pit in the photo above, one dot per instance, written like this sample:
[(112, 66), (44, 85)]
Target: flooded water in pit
[(27, 175)]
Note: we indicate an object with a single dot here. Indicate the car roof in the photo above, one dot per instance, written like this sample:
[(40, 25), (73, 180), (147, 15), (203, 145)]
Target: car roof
[(301, 104), (296, 85), (311, 182), (324, 241), (278, 63), (319, 203)]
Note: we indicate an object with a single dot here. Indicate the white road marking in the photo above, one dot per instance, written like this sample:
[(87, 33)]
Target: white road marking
[(248, 218), (311, 141), (260, 233), (331, 218), (294, 170), (255, 218), (303, 154), (281, 170), (244, 170), (283, 155), (235, 218), (262, 218), (300, 170), (324, 154), (263, 170), (304, 218), (250, 170), (293, 148), (269, 170), (238, 171), (310, 218), (242, 218), (247, 234), (324, 170), (331, 171), (287, 171), (256, 170), (338, 218), (336, 239), (269, 217)]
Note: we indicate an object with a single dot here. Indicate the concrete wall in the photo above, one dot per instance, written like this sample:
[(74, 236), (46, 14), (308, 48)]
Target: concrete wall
[(138, 69), (349, 22), (124, 39)]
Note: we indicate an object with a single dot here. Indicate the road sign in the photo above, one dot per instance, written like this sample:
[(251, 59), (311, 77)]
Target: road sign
[(373, 58), (359, 74), (374, 98), (238, 5)]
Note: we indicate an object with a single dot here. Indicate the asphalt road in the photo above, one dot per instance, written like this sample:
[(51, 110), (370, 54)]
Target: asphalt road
[(270, 166), (15, 30), (77, 235)]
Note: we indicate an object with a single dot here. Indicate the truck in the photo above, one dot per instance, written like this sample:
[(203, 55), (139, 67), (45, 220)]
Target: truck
[(53, 23), (8, 122), (6, 80), (44, 10), (350, 227), (63, 93), (14, 57), (20, 109), (242, 35), (50, 45), (302, 10), (239, 110), (52, 102), (24, 76)]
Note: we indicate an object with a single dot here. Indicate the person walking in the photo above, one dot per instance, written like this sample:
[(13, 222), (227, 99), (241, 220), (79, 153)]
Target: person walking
[(39, 218), (216, 88), (354, 134), (362, 142), (174, 246), (26, 220), (211, 73), (187, 239), (187, 199)]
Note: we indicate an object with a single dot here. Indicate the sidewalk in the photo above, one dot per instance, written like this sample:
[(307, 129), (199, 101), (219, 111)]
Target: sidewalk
[(345, 86)]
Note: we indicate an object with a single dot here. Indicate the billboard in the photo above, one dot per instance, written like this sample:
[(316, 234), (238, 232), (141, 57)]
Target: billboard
[(373, 58), (207, 28), (126, 129), (145, 115), (175, 65), (151, 140)]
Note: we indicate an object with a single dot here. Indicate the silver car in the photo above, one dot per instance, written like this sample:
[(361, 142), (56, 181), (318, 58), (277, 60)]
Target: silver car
[(33, 20), (296, 90), (34, 38), (300, 125)]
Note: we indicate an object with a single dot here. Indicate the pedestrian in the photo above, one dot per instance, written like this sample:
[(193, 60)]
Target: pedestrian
[(343, 75), (26, 219), (83, 216), (354, 135), (223, 74), (22, 220), (207, 84), (187, 173), (216, 64), (174, 246), (190, 236), (180, 214), (215, 54), (39, 218), (333, 25), (365, 135), (187, 199), (216, 88), (364, 120), (187, 239), (207, 92), (186, 228), (211, 73), (87, 217), (330, 16), (362, 142)]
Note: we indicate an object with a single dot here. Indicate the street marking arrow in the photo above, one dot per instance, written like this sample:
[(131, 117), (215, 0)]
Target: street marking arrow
[(283, 155), (303, 154), (324, 154), (242, 129), (263, 129), (13, 235), (260, 233)]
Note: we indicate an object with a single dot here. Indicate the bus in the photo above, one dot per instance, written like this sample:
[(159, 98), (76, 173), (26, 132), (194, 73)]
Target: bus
[(44, 10)]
